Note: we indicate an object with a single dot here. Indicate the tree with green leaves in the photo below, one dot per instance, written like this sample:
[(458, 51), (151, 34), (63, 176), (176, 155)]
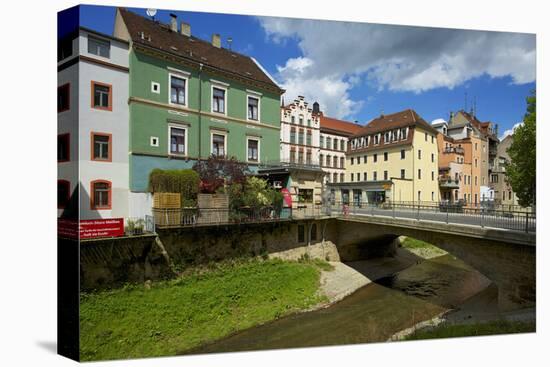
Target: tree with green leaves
[(521, 172)]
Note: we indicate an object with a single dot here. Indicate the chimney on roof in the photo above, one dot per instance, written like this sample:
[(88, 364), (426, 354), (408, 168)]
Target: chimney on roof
[(185, 29), (315, 107), (216, 40), (173, 22)]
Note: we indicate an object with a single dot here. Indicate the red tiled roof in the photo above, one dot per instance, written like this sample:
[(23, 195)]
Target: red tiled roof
[(159, 36), (406, 118), (396, 120), (335, 125)]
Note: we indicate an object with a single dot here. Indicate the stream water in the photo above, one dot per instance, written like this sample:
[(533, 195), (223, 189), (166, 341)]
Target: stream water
[(373, 313)]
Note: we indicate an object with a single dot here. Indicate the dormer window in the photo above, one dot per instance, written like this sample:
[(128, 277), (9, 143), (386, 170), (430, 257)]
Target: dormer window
[(99, 47), (376, 139)]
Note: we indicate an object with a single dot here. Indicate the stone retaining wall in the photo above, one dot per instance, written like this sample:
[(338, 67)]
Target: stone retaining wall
[(111, 262)]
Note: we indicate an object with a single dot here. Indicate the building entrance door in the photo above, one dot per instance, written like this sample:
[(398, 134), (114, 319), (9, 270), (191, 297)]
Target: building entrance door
[(357, 198), (345, 196)]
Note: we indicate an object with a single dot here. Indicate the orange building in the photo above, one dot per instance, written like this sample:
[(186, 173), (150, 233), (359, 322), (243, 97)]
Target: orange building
[(460, 163)]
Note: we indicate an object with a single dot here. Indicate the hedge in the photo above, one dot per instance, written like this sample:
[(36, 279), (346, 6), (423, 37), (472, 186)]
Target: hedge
[(183, 181)]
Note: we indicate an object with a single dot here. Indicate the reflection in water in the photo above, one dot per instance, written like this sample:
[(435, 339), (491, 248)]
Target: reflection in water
[(373, 313)]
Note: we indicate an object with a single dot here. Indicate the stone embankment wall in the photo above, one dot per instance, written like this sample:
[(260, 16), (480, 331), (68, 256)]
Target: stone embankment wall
[(110, 262)]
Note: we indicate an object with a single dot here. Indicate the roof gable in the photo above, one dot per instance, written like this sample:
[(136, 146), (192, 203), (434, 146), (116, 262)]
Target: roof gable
[(149, 33)]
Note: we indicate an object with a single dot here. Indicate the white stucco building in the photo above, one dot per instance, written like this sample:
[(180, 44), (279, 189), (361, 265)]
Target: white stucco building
[(93, 125), (299, 134), (333, 144)]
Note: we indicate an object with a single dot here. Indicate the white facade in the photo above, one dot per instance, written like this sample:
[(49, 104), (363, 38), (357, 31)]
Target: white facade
[(333, 156), (299, 134), (97, 121)]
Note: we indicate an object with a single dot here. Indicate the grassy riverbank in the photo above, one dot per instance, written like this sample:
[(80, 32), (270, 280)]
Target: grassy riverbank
[(422, 249), (203, 305), (486, 328)]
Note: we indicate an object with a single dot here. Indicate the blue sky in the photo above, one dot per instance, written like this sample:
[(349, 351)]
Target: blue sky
[(358, 70)]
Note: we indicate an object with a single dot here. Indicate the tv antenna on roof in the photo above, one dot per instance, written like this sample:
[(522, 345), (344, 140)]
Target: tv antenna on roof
[(152, 13)]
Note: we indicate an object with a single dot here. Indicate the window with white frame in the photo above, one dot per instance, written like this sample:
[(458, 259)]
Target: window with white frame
[(253, 150), (178, 140), (99, 47), (218, 100), (218, 145), (253, 108), (178, 90)]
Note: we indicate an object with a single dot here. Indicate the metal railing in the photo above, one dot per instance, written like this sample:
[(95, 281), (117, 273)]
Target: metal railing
[(449, 213), (135, 226), (288, 163), (524, 221), (458, 150), (487, 205), (188, 217)]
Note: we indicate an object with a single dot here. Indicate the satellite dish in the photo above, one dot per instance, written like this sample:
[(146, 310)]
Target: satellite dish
[(151, 12)]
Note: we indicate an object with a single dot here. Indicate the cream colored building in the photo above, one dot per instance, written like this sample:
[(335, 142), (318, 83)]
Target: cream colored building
[(501, 191), (393, 158)]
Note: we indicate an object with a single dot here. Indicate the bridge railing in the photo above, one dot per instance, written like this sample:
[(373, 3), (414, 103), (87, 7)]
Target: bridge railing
[(524, 221)]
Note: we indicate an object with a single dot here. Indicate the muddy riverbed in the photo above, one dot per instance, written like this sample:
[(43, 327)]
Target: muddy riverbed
[(405, 291)]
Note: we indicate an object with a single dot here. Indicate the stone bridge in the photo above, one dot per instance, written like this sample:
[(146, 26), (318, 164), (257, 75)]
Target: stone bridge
[(506, 257)]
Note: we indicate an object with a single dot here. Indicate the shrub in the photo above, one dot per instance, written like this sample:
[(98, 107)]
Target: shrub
[(215, 172), (254, 193), (184, 181)]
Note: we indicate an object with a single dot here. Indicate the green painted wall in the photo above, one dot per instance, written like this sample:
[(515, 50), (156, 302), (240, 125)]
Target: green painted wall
[(148, 121)]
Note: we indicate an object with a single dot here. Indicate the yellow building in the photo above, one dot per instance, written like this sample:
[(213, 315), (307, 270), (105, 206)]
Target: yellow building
[(393, 158)]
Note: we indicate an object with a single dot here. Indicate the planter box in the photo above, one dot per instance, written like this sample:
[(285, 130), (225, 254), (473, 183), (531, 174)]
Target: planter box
[(166, 200), (214, 208)]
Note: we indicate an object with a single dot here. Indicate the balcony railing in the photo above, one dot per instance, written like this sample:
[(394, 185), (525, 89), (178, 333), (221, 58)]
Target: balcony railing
[(287, 163), (457, 150), (448, 182)]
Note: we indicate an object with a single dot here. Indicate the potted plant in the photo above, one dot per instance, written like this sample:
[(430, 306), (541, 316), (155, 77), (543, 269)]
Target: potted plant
[(130, 227), (138, 227)]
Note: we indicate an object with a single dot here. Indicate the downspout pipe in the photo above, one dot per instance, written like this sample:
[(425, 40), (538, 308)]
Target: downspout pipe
[(200, 111)]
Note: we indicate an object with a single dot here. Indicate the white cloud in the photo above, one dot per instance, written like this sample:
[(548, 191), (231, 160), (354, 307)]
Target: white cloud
[(510, 131), (329, 90), (396, 58)]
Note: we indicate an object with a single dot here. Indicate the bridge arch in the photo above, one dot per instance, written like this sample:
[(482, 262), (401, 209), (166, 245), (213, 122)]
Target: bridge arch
[(506, 258)]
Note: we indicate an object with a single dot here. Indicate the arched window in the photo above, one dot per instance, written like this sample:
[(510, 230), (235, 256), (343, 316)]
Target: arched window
[(63, 193), (100, 195)]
